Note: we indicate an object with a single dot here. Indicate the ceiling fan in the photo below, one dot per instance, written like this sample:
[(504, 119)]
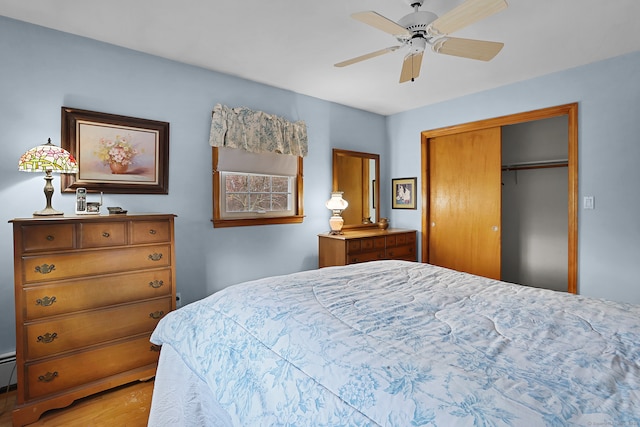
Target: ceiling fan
[(421, 28)]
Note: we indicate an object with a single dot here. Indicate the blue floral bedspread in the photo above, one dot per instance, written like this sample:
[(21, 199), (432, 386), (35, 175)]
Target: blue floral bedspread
[(396, 343)]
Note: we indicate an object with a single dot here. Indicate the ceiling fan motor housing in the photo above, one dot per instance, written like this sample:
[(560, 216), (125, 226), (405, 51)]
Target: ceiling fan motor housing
[(417, 21)]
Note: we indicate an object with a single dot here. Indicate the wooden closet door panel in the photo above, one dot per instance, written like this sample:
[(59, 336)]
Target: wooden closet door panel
[(465, 201)]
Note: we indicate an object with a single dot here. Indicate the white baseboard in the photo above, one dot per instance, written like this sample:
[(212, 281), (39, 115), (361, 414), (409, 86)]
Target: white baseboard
[(7, 370)]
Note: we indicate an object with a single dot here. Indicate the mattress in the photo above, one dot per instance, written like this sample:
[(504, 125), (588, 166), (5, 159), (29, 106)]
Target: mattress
[(397, 343)]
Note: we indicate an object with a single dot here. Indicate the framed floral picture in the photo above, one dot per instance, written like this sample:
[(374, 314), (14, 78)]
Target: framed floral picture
[(404, 193), (115, 154)]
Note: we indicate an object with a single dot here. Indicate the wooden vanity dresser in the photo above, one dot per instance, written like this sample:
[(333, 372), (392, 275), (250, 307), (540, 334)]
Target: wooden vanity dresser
[(364, 245), (89, 291)]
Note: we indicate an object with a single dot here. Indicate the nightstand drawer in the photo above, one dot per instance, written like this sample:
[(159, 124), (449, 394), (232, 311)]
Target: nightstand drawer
[(47, 237), (150, 232), (62, 266), (93, 327), (103, 234), (95, 292), (55, 375)]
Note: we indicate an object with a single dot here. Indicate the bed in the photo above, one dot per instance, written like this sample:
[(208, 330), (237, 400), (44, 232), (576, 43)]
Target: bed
[(397, 343)]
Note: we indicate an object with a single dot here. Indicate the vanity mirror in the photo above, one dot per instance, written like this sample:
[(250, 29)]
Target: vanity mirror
[(357, 175)]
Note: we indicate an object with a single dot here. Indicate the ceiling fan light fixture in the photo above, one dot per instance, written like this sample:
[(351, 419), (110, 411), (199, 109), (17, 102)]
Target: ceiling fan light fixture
[(417, 45)]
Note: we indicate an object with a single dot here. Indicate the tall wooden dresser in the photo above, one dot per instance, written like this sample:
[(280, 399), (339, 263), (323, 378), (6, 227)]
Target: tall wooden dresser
[(364, 245), (89, 291)]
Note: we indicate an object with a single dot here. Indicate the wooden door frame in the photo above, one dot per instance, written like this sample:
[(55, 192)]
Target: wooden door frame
[(569, 110)]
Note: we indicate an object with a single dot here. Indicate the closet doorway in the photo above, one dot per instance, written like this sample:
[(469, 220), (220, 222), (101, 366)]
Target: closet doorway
[(474, 180)]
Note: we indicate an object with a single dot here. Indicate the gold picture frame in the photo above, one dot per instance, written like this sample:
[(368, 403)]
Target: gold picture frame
[(403, 193)]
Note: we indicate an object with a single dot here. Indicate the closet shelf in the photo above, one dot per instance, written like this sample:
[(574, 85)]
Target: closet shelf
[(536, 165)]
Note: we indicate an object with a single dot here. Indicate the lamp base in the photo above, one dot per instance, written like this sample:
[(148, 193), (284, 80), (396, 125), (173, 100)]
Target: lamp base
[(48, 211), (336, 222), (48, 193)]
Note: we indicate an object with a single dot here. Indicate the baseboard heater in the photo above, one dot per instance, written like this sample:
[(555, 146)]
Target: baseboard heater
[(7, 370)]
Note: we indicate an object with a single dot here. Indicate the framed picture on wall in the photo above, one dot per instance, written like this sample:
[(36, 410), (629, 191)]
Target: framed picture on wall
[(115, 154), (403, 193)]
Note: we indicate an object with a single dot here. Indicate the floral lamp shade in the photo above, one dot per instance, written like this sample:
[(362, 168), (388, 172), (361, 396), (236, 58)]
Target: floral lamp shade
[(48, 158)]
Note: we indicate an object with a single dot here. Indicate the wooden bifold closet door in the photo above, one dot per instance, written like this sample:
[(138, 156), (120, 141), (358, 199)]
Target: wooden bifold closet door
[(464, 201)]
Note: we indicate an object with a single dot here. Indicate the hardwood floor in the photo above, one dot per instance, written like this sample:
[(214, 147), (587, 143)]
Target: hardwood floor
[(126, 406)]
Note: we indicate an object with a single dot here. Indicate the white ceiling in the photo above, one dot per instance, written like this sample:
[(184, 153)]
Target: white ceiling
[(293, 44)]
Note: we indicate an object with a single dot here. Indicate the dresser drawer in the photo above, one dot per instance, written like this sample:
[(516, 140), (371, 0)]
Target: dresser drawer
[(93, 327), (150, 232), (67, 265), (366, 256), (402, 252), (55, 375), (354, 246), (403, 239), (47, 237), (103, 234), (365, 245), (68, 296)]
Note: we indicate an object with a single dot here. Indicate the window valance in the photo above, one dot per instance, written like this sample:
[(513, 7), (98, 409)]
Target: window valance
[(256, 131)]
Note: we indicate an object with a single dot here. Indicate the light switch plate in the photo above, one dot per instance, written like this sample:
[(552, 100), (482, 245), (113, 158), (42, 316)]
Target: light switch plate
[(588, 202)]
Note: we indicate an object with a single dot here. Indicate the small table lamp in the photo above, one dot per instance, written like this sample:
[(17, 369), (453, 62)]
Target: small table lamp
[(48, 158), (337, 204)]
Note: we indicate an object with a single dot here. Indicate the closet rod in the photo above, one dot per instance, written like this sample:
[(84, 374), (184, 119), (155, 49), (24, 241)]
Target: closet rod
[(536, 165)]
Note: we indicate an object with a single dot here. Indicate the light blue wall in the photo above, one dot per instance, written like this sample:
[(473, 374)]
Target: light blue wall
[(42, 70), (608, 93)]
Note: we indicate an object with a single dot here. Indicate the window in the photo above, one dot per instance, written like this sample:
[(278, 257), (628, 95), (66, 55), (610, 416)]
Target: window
[(255, 188), (248, 194)]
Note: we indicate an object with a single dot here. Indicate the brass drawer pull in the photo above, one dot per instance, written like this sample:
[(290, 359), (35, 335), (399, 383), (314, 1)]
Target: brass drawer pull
[(105, 234), (156, 315), (47, 338), (155, 257), (156, 284), (50, 238), (152, 231), (46, 301), (155, 347), (48, 377), (45, 268)]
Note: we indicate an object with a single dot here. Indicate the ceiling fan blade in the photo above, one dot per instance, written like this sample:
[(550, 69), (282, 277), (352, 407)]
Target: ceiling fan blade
[(468, 48), (367, 56), (380, 22), (466, 14), (411, 67)]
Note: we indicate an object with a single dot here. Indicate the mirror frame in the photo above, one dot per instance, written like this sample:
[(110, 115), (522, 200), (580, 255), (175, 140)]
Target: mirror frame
[(337, 153)]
